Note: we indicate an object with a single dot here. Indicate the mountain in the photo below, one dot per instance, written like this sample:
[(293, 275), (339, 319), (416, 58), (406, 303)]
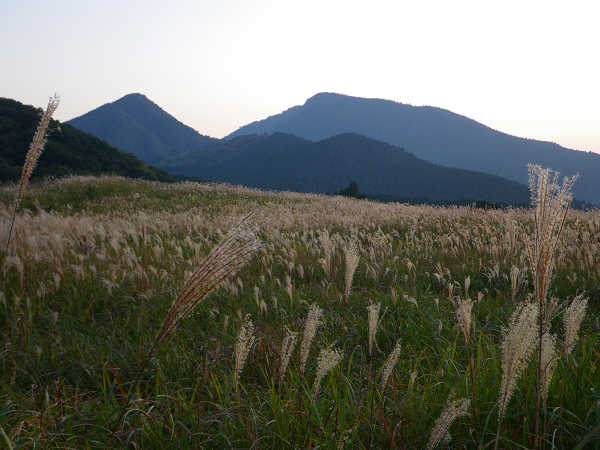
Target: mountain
[(286, 162), (433, 134), (68, 150), (136, 125)]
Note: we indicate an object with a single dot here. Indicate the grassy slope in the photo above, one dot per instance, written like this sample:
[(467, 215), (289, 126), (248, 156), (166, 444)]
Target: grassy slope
[(94, 279)]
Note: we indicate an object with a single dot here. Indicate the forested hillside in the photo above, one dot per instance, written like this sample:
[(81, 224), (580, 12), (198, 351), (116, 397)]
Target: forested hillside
[(68, 150)]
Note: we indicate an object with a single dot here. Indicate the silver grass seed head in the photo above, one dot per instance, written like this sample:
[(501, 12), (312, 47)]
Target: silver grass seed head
[(288, 287), (550, 201), (518, 345), (573, 317), (313, 320), (464, 316), (327, 245), (373, 315), (548, 363), (452, 411), (224, 260), (37, 146), (328, 359), (243, 344), (352, 258), (514, 281), (287, 348), (389, 364)]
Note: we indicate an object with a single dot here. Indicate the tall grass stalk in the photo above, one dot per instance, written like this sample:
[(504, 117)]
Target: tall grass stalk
[(550, 201), (33, 154), (230, 255)]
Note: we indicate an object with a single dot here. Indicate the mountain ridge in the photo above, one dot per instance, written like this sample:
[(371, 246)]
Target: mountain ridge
[(429, 133), (433, 134), (281, 161)]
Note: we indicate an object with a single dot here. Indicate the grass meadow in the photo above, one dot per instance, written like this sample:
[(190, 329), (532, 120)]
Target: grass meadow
[(96, 262)]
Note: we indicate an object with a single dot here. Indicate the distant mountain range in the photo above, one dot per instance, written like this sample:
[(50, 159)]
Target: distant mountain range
[(433, 134), (333, 139), (136, 125), (285, 162), (68, 150)]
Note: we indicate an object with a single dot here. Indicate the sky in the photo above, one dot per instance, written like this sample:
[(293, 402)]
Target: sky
[(527, 68)]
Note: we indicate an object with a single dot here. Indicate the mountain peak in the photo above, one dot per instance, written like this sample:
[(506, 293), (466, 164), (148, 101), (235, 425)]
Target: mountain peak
[(336, 99), (133, 96), (319, 96), (137, 125), (138, 100), (329, 99)]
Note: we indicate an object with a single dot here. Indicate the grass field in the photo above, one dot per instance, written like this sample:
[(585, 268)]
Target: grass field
[(95, 264)]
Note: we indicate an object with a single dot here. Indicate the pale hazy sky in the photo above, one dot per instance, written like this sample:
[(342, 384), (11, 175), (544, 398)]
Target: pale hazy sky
[(528, 68)]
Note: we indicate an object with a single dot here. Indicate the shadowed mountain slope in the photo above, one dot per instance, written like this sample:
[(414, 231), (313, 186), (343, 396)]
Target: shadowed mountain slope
[(68, 150), (136, 125), (286, 162), (433, 134)]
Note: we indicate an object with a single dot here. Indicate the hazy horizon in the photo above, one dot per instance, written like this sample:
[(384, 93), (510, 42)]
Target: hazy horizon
[(528, 70)]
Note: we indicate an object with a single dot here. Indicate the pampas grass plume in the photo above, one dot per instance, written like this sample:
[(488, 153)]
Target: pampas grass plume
[(550, 201), (33, 154), (373, 313), (313, 320), (514, 282), (451, 412), (230, 255), (574, 315), (328, 247), (287, 348), (352, 258), (463, 317), (389, 365), (517, 347), (549, 360), (328, 359), (243, 344)]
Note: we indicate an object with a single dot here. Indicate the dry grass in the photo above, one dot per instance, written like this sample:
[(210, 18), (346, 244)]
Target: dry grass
[(517, 347), (452, 411), (243, 344), (223, 261), (373, 317), (313, 320), (85, 289), (550, 201), (328, 359)]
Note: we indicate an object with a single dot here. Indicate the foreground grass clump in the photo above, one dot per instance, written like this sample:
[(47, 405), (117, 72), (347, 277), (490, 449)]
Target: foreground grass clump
[(415, 333)]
